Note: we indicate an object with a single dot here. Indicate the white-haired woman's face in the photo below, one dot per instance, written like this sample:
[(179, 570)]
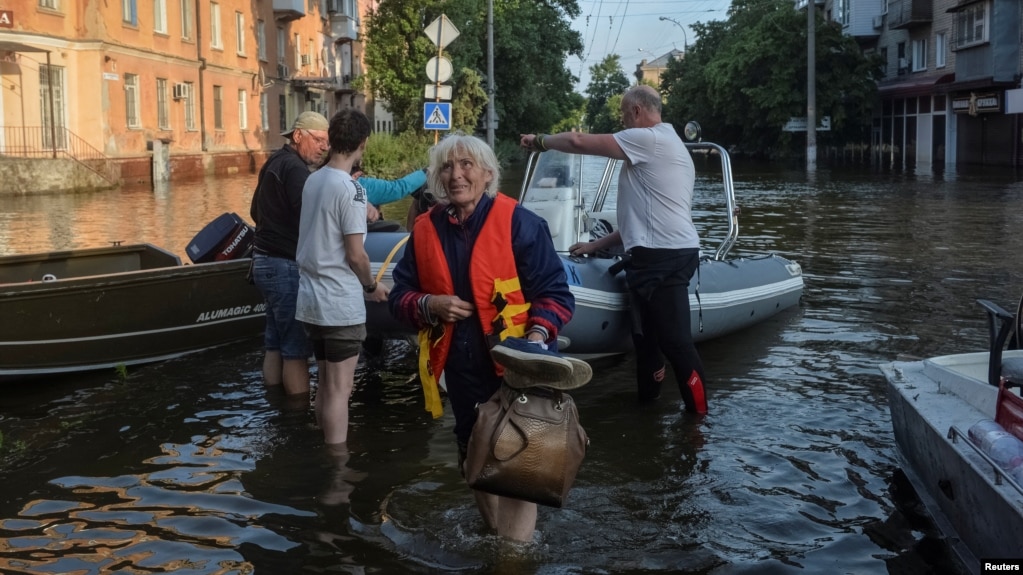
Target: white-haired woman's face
[(464, 179)]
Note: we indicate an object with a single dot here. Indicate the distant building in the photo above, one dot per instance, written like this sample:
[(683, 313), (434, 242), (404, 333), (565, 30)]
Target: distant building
[(214, 81), (950, 91), (651, 71)]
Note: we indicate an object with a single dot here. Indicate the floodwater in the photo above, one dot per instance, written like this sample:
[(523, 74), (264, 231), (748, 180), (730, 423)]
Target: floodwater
[(192, 466)]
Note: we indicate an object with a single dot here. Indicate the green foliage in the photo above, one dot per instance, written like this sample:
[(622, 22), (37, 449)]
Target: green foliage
[(744, 78), (532, 41), (122, 371), (393, 156), (469, 102), (607, 79), (575, 118)]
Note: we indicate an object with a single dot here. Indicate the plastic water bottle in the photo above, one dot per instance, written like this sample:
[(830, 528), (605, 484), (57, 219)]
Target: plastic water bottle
[(1002, 447)]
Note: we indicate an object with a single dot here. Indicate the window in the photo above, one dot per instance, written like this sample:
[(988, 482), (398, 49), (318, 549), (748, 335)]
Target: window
[(243, 110), (129, 12), (919, 55), (884, 61), (215, 26), (131, 100), (940, 48), (187, 19), (261, 39), (51, 89), (971, 25), (50, 4), (160, 16), (264, 112), (298, 52), (903, 62), (282, 109), (218, 107), (239, 30), (162, 106), (190, 107), (282, 44)]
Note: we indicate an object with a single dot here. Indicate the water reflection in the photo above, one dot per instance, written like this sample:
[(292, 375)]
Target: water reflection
[(194, 465)]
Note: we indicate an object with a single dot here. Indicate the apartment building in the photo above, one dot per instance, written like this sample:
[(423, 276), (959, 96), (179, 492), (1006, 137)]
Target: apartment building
[(951, 90), (215, 82)]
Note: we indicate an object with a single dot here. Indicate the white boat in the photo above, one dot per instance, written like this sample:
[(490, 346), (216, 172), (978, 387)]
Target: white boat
[(933, 403), (570, 192)]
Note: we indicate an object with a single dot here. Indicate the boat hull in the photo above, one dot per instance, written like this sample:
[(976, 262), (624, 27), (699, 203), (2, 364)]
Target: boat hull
[(724, 297), (123, 305), (982, 517)]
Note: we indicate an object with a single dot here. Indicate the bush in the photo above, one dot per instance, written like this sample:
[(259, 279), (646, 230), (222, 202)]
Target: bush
[(390, 156)]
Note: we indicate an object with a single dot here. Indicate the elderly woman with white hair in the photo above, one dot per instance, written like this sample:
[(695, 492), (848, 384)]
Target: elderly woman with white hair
[(477, 268)]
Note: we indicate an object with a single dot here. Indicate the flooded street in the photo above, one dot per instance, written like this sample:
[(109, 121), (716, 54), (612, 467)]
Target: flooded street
[(192, 466)]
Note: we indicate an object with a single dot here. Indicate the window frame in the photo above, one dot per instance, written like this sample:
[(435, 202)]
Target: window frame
[(190, 107), (129, 12), (243, 109), (966, 21), (261, 40), (218, 107), (160, 16), (49, 5), (132, 102), (216, 42), (940, 49), (187, 20), (239, 30), (162, 105), (918, 51)]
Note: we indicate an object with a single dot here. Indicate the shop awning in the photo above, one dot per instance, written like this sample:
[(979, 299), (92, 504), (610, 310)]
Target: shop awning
[(914, 89)]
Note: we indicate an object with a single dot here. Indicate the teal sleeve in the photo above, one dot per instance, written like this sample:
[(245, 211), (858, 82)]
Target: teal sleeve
[(381, 192)]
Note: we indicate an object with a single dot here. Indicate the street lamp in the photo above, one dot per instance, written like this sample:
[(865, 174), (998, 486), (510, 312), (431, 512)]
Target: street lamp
[(685, 37)]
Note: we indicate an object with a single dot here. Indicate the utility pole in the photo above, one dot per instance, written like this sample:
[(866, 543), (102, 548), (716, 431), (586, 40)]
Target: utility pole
[(491, 109), (811, 87)]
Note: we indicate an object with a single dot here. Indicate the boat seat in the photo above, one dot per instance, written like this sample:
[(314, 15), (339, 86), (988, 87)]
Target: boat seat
[(1009, 412), (1004, 332)]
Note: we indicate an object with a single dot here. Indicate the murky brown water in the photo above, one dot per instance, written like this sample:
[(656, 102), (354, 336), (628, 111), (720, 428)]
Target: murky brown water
[(192, 466)]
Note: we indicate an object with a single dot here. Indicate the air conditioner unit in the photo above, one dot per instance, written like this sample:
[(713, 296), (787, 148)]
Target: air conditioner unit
[(306, 59), (180, 91), (283, 71), (903, 63), (878, 22)]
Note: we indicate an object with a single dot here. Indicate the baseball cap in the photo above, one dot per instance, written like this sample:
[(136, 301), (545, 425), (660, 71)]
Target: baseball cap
[(308, 121)]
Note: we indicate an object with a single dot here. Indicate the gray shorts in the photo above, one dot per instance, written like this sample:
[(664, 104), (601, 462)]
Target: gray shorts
[(336, 343)]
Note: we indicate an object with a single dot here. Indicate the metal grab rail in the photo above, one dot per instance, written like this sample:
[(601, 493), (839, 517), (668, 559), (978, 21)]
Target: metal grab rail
[(1000, 474), (44, 142)]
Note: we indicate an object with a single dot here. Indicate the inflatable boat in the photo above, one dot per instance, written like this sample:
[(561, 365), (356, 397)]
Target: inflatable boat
[(570, 192)]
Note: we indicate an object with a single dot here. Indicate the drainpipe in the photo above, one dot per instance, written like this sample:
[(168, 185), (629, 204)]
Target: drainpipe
[(202, 70)]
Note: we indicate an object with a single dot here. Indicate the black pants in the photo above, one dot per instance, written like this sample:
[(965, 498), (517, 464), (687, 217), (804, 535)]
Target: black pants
[(659, 289)]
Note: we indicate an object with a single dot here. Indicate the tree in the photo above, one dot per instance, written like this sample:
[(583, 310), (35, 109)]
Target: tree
[(746, 77), (532, 41), (607, 79)]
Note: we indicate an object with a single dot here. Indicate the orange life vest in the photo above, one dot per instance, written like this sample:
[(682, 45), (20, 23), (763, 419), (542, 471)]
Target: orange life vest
[(496, 291)]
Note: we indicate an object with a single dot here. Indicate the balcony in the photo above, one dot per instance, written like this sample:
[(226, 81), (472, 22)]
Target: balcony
[(343, 28), (287, 10), (906, 14)]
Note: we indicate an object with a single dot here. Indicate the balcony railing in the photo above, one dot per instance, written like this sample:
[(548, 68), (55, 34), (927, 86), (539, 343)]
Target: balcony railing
[(44, 142), (909, 13)]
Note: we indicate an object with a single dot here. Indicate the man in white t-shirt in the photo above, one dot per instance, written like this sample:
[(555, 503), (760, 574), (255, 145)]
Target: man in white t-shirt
[(334, 271), (655, 196)]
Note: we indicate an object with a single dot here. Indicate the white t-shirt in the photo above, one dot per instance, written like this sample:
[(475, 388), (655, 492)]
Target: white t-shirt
[(655, 189), (329, 292)]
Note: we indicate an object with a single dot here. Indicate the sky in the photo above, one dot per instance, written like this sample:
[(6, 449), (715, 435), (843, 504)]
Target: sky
[(632, 29)]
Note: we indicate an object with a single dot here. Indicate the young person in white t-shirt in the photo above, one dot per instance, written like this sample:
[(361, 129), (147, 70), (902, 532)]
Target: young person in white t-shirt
[(334, 271)]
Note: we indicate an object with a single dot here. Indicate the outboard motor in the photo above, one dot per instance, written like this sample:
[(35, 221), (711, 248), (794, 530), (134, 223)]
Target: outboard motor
[(226, 238)]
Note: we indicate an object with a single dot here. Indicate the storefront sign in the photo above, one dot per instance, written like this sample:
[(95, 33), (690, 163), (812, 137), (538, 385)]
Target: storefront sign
[(6, 19), (975, 103)]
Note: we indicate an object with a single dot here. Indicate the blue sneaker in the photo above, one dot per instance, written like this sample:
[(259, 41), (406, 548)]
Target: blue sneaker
[(581, 375), (531, 363)]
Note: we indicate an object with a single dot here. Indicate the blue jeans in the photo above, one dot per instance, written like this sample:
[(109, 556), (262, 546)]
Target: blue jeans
[(277, 280)]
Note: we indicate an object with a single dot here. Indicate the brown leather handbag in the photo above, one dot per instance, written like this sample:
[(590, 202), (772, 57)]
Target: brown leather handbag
[(526, 444)]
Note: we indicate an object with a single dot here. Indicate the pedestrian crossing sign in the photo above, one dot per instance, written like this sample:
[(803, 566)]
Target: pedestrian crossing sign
[(437, 116)]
